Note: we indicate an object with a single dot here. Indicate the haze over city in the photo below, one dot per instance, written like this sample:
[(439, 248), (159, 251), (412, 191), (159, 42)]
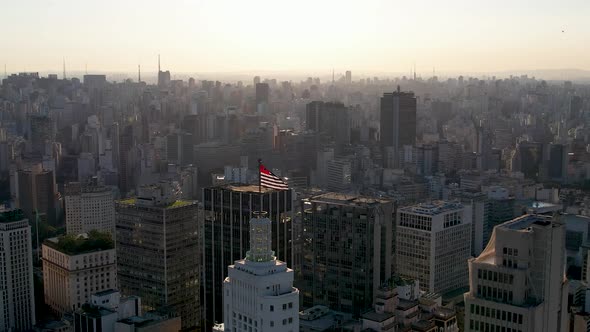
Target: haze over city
[(370, 37)]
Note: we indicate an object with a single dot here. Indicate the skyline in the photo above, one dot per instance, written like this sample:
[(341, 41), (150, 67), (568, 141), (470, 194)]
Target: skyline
[(202, 37)]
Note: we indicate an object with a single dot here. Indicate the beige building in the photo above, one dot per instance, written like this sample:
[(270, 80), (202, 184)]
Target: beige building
[(433, 243), (518, 281), (89, 206), (75, 267)]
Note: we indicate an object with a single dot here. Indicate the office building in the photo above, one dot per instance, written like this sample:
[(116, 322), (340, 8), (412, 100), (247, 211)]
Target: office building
[(89, 206), (398, 123), (329, 120), (338, 174), (433, 243), (227, 212), (42, 131), (17, 299), (347, 250), (518, 282), (480, 207), (37, 193), (158, 250), (259, 293), (103, 310), (501, 208), (75, 267), (262, 93)]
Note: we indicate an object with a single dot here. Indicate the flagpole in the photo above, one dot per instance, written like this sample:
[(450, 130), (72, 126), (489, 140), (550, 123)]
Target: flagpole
[(259, 181)]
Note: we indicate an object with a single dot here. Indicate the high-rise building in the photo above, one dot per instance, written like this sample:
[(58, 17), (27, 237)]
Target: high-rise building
[(227, 212), (262, 93), (17, 298), (518, 281), (348, 246), (89, 206), (42, 131), (158, 250), (433, 243), (330, 120), (338, 174), (75, 267), (480, 207), (501, 208), (348, 77), (398, 122), (259, 293), (37, 193)]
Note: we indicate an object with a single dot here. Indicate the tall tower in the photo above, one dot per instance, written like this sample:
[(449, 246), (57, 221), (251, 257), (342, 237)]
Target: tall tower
[(398, 125), (158, 250), (259, 293), (16, 267), (64, 68)]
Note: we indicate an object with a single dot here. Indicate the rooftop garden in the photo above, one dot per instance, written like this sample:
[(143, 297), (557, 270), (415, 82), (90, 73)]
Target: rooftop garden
[(77, 244)]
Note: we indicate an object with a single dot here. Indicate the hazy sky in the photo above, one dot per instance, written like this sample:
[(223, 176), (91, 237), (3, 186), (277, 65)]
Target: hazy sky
[(310, 35)]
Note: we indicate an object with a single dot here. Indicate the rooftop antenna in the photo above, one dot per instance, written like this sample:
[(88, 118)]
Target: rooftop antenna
[(138, 73), (414, 71), (5, 73), (64, 68), (159, 63)]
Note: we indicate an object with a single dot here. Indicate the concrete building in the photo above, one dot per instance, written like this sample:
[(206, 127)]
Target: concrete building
[(433, 243), (89, 206), (17, 299), (345, 277), (480, 207), (158, 250), (75, 267), (104, 309), (339, 174), (227, 211), (258, 291), (37, 193), (518, 282)]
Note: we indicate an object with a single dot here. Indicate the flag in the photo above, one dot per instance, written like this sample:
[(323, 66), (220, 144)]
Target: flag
[(269, 180)]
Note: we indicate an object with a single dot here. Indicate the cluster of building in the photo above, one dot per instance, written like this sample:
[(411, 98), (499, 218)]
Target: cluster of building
[(457, 206)]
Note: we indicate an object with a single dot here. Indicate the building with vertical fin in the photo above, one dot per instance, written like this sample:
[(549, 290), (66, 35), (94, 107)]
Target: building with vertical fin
[(518, 282), (17, 298), (258, 291), (158, 250)]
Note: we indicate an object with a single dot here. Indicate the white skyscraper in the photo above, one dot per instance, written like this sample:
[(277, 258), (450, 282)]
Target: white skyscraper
[(258, 292), (433, 243), (518, 282), (17, 302)]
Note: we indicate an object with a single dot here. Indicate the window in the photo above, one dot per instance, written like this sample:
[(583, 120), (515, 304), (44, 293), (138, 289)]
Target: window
[(272, 323), (272, 308), (290, 305)]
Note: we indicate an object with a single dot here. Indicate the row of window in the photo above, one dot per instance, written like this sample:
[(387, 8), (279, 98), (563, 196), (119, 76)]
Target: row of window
[(494, 293), (487, 327), (500, 277), (503, 315)]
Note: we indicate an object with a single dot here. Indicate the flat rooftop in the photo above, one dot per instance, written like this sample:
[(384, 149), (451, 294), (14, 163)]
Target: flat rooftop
[(349, 199), (178, 203), (524, 222), (432, 208)]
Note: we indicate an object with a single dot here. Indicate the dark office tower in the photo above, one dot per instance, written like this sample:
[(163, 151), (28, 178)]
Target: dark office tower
[(227, 213), (42, 131), (37, 193), (262, 92), (196, 125), (188, 149), (348, 77), (163, 76), (114, 136), (158, 251), (126, 142), (398, 123), (558, 160), (347, 251), (530, 156), (442, 112), (331, 120), (576, 104), (173, 148)]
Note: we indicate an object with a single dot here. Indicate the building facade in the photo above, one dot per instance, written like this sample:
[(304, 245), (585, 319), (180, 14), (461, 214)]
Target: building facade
[(347, 250), (518, 282), (227, 212), (433, 243), (76, 267), (17, 298), (258, 291), (398, 123), (158, 250), (89, 206)]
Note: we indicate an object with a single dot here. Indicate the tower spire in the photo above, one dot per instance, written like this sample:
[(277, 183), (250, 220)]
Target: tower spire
[(138, 73), (158, 63), (64, 68)]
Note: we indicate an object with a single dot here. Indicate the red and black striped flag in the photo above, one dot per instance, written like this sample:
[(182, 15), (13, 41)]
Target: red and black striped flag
[(269, 180)]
